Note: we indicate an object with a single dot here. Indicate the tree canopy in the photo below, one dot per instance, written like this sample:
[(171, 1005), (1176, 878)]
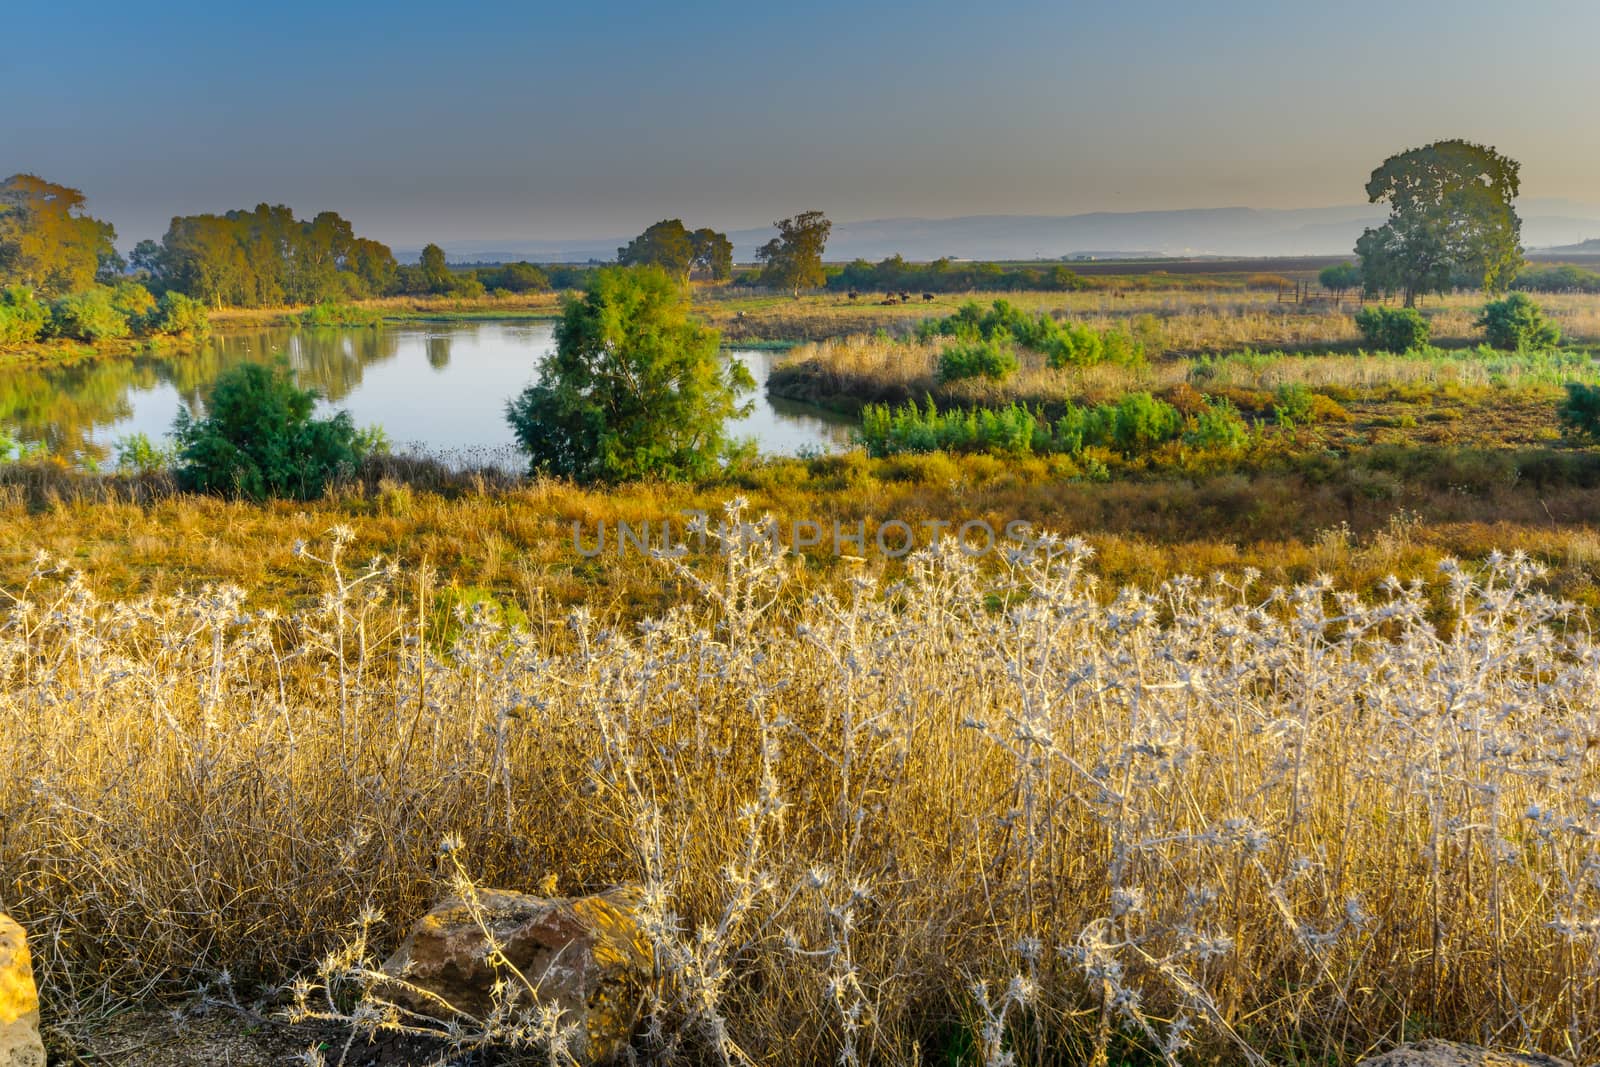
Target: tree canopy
[(266, 257), (46, 242), (1449, 211), (634, 388), (793, 259), (669, 245)]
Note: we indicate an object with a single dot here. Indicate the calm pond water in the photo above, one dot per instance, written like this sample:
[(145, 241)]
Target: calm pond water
[(439, 389)]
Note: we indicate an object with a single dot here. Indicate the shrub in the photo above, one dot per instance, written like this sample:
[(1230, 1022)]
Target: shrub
[(137, 454), (975, 358), (92, 315), (1293, 405), (177, 315), (1393, 329), (22, 318), (1517, 324), (1063, 344), (258, 438), (1134, 423), (1580, 414), (1010, 430), (334, 314), (1217, 425)]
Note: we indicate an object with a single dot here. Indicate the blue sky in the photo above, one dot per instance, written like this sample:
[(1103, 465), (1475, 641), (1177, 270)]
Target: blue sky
[(482, 121)]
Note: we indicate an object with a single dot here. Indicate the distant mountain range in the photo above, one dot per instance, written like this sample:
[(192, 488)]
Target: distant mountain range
[(1239, 232), (1590, 247)]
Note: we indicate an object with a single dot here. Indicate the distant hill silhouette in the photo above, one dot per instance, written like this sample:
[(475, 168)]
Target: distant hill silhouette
[(1232, 231)]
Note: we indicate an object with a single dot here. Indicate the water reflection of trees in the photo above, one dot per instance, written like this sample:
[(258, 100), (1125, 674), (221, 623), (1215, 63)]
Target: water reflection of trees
[(62, 407), (438, 346)]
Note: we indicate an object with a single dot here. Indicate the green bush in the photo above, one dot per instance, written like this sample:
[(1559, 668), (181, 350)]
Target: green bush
[(1393, 329), (331, 313), (1517, 324), (1063, 344), (977, 358), (1294, 405), (22, 318), (176, 315), (1010, 430), (258, 438), (137, 454), (92, 315), (1580, 414), (1134, 423), (1217, 425)]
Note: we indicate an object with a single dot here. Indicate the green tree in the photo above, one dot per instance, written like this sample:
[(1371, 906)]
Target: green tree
[(46, 242), (634, 388), (667, 245), (713, 253), (258, 438), (1340, 278), (793, 259), (1449, 209), (436, 274)]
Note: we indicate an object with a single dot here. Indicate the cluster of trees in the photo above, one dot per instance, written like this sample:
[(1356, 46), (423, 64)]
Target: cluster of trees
[(61, 277), (894, 274), (266, 257), (679, 252), (1557, 279)]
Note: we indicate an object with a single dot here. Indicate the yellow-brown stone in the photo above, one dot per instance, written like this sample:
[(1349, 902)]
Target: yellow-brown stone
[(589, 955), (19, 1000)]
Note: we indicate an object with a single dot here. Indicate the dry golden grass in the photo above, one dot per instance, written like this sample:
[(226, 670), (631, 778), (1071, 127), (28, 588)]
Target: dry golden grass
[(987, 809)]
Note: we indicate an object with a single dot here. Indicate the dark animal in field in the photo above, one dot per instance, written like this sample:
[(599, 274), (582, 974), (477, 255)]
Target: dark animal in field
[(927, 298), (905, 298), (890, 302), (852, 294)]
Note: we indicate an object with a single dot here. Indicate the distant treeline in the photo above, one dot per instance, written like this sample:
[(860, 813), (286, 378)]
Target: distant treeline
[(894, 275)]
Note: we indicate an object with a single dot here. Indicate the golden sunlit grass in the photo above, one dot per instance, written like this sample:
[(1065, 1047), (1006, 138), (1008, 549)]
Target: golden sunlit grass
[(1009, 808)]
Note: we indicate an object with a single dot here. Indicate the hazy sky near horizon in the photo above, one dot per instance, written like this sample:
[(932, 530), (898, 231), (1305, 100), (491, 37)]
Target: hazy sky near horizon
[(498, 120)]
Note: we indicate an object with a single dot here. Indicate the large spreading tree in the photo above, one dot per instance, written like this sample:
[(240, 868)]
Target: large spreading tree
[(794, 258), (672, 247), (1449, 211), (635, 387)]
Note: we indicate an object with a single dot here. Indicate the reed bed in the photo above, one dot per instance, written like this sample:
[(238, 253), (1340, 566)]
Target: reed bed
[(989, 814)]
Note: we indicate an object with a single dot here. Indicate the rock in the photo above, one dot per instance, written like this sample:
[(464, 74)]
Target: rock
[(1452, 1054), (19, 1000), (587, 954)]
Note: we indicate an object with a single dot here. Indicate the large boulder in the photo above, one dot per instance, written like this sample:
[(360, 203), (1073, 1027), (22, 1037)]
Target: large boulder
[(1452, 1054), (19, 1000), (589, 955)]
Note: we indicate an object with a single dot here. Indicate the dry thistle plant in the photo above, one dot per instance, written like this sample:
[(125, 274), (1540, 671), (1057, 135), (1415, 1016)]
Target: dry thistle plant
[(996, 812)]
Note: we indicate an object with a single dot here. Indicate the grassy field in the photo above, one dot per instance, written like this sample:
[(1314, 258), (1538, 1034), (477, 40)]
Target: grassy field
[(1238, 765), (1077, 804)]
